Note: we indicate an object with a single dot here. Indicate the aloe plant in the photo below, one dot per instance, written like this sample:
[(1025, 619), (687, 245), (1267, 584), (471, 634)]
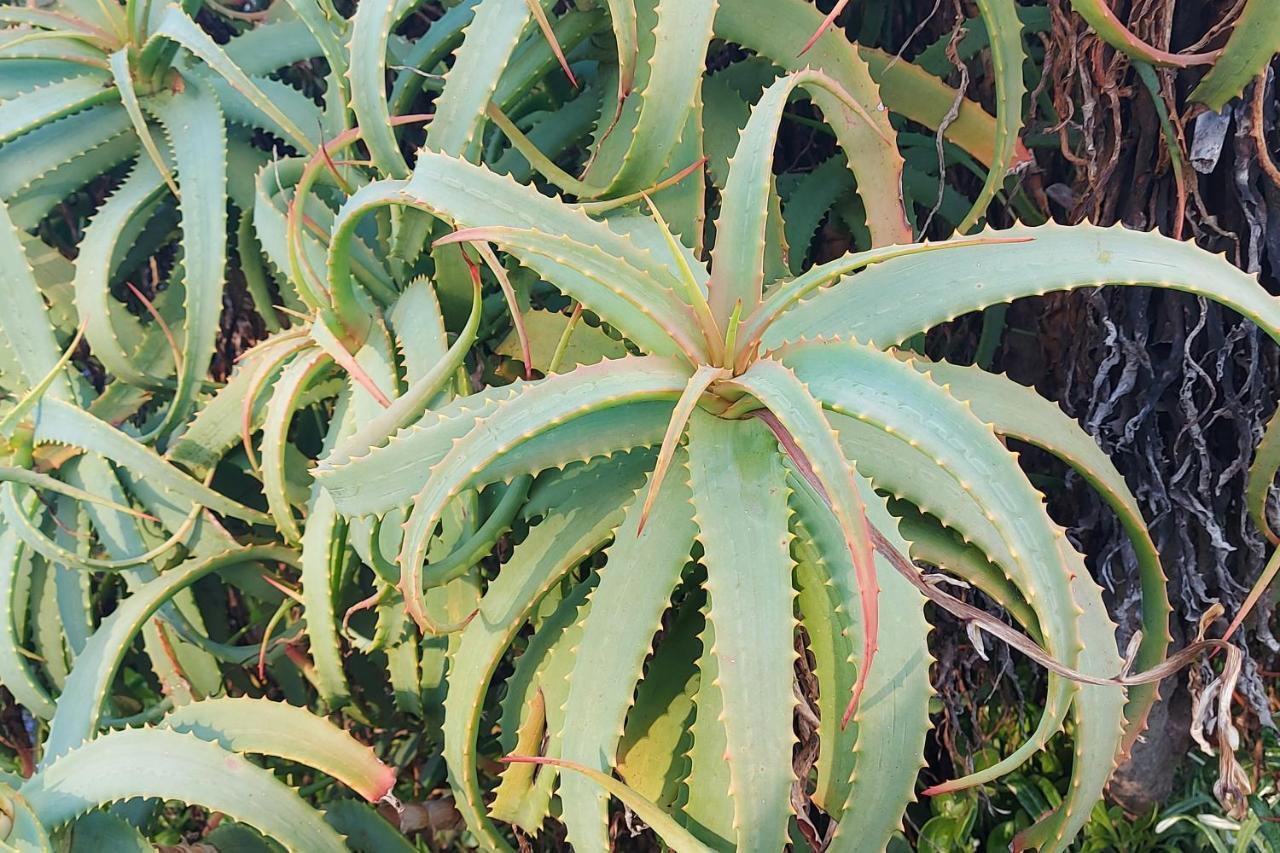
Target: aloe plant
[(193, 752), (738, 468), (92, 87), (720, 461)]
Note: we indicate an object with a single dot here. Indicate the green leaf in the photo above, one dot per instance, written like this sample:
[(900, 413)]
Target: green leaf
[(948, 462), (104, 831), (62, 423), (172, 766), (284, 731), (808, 439), (1005, 29), (329, 32), (197, 135), (15, 668), (285, 396), (1018, 412), (666, 828), (29, 110), (806, 201), (832, 642), (217, 427), (516, 800), (552, 548), (101, 250), (469, 196), (1099, 711), (271, 45), (373, 478), (707, 812), (26, 833), (322, 553), (652, 316), (942, 286), (1262, 475), (651, 757), (24, 320), (737, 267), (622, 14), (364, 830), (750, 609), (892, 720), (35, 154), (1254, 41), (291, 108), (177, 27), (478, 64), (626, 611), (180, 666), (667, 88), (777, 29), (939, 546), (549, 404), (1103, 21), (428, 52), (372, 25), (585, 344), (129, 98), (40, 195)]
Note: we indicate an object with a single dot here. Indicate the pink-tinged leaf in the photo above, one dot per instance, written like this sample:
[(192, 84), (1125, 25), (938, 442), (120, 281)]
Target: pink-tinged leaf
[(164, 327), (549, 34), (324, 336), (698, 383), (289, 732), (867, 583), (797, 421), (508, 293), (261, 375), (1260, 586), (826, 23), (1099, 16)]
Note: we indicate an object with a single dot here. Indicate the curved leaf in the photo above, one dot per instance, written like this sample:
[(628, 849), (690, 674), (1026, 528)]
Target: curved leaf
[(63, 423), (547, 405), (802, 429), (172, 766), (737, 267), (1006, 516), (888, 730), (371, 29), (101, 250), (626, 611), (31, 109), (1005, 29), (197, 136), (79, 709), (478, 63), (177, 27), (900, 86), (1019, 412), (285, 731), (1254, 41), (941, 286), (552, 548)]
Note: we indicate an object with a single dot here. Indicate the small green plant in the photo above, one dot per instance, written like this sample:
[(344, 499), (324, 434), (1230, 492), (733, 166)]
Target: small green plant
[(98, 85)]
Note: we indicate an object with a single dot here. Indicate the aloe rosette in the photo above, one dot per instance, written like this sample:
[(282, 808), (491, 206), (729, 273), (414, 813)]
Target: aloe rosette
[(733, 475)]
